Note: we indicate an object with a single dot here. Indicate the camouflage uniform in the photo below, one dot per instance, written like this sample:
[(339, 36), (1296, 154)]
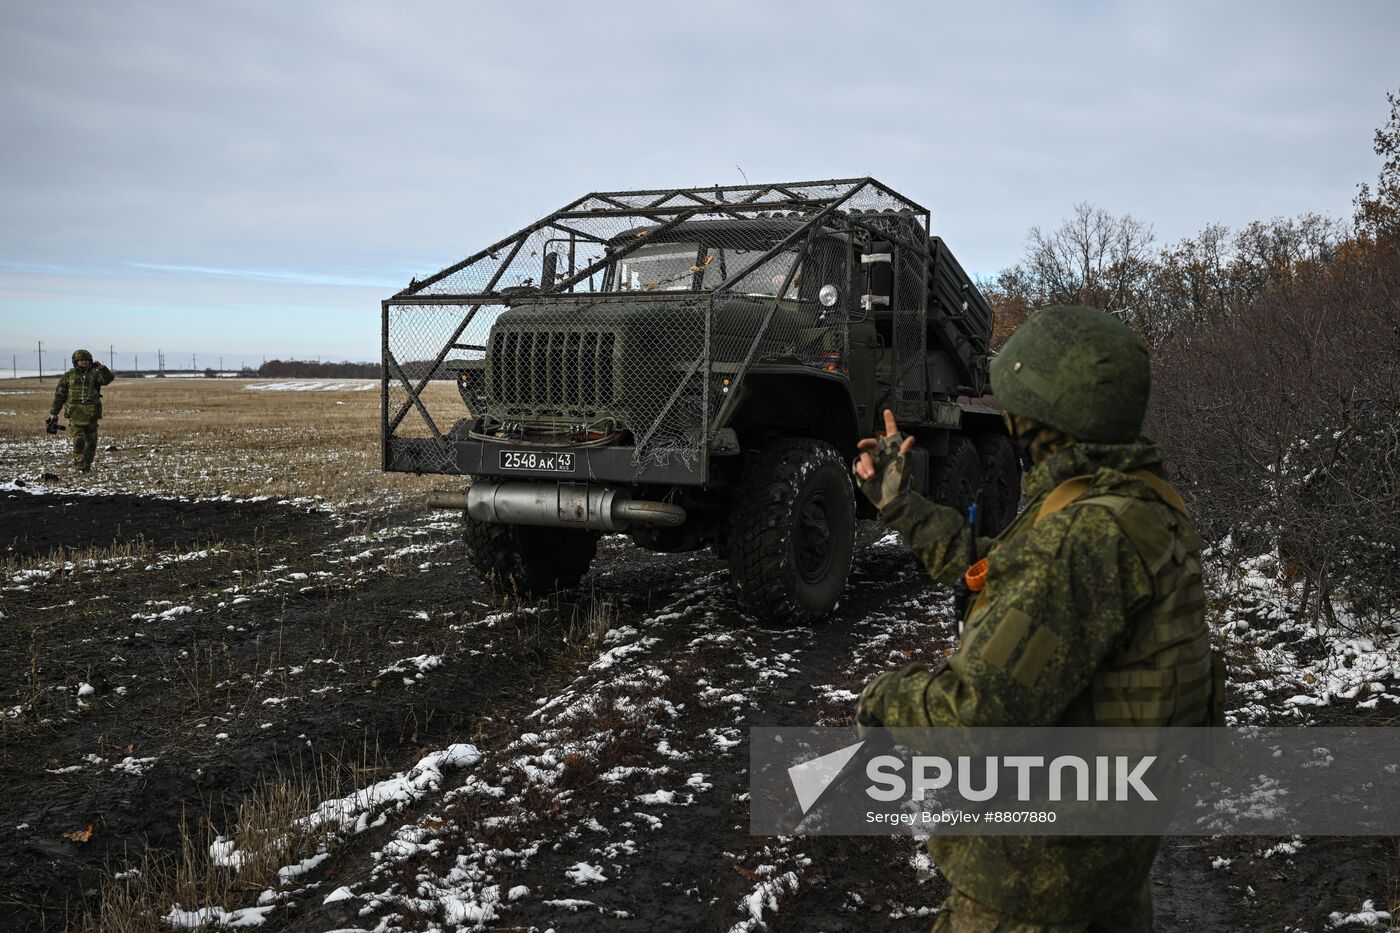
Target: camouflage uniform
[(1092, 614), (79, 396)]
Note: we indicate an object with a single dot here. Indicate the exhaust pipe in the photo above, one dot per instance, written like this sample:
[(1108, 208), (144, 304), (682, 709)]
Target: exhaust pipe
[(559, 505), (447, 500)]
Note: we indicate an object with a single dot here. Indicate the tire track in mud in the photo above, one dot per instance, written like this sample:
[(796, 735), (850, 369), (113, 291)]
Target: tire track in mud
[(620, 800)]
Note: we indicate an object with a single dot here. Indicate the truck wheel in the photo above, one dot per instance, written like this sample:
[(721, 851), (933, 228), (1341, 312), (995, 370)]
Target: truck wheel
[(954, 477), (528, 560), (792, 531), (1001, 482)]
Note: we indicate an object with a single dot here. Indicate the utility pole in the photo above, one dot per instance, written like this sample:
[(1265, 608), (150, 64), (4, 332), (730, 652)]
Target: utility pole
[(221, 364), (160, 362), (41, 361), (14, 365), (111, 358), (137, 365), (193, 365)]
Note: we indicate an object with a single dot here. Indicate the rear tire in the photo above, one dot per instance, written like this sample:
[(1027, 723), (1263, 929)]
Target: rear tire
[(955, 477), (1001, 482), (528, 560), (792, 531)]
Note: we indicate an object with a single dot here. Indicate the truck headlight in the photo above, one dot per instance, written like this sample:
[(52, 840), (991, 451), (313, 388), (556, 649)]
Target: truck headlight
[(828, 296)]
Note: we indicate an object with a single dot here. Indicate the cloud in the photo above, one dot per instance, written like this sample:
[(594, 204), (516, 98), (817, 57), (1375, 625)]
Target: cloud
[(324, 144)]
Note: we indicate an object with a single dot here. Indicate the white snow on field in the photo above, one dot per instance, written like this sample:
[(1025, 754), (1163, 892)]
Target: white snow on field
[(195, 919), (174, 612), (584, 873), (421, 663), (1367, 916), (371, 806), (313, 385), (764, 898)]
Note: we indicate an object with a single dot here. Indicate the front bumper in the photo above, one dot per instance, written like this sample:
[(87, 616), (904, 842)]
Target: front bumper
[(610, 465)]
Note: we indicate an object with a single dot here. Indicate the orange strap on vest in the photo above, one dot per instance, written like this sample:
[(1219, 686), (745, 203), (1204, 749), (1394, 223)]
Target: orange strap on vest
[(976, 576)]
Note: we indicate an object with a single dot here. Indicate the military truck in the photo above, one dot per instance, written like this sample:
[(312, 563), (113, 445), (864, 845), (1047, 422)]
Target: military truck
[(693, 368)]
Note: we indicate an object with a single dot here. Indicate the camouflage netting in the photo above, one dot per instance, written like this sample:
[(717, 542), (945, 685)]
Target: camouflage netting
[(635, 315)]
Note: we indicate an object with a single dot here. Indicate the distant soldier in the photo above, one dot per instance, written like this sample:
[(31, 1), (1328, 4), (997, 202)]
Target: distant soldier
[(1089, 611), (79, 397)]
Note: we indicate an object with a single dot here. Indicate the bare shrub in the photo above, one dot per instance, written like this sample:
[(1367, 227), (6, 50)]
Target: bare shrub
[(1280, 422)]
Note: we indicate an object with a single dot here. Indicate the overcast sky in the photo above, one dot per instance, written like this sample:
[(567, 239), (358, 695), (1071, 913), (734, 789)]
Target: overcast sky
[(251, 178)]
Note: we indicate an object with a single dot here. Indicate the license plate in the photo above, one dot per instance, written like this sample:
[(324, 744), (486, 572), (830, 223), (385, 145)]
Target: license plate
[(541, 461)]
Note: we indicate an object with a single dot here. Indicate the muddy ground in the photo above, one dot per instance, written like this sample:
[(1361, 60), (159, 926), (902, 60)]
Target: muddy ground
[(209, 646)]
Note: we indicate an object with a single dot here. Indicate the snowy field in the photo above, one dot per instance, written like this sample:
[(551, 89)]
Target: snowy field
[(315, 385), (305, 701)]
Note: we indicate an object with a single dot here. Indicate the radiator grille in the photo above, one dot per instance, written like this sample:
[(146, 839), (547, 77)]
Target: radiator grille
[(565, 369)]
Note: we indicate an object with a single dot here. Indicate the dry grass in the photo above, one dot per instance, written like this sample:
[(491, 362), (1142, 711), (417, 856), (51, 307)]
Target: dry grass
[(211, 437), (29, 700), (269, 831), (93, 557)]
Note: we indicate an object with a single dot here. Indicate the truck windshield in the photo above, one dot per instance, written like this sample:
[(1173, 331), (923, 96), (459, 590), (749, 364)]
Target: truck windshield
[(683, 267)]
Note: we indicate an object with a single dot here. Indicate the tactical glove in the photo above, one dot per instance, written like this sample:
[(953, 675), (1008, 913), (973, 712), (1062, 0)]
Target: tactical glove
[(891, 471), (51, 425)]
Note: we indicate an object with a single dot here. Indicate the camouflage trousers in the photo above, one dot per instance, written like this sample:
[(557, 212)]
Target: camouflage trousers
[(84, 444), (961, 914)]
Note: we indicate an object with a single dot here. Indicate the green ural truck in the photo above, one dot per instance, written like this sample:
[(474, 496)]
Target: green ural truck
[(692, 368)]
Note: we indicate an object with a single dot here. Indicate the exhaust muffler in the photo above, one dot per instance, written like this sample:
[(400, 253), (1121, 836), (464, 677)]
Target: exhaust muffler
[(559, 505)]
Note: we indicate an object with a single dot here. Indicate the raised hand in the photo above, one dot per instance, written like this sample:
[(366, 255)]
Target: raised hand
[(881, 468)]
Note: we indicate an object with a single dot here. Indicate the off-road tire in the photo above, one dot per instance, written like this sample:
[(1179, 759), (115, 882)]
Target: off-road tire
[(528, 560), (791, 532), (955, 477), (1001, 482)]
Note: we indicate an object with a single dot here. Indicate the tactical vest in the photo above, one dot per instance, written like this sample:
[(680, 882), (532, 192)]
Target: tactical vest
[(1166, 674), (84, 387)]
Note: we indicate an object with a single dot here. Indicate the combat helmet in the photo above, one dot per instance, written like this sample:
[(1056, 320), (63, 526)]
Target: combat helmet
[(82, 355), (1078, 370)]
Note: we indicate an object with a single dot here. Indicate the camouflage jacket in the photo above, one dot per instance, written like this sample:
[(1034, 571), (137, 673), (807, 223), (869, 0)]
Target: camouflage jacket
[(1066, 598), (79, 393)]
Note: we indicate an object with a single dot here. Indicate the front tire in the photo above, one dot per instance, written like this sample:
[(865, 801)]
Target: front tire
[(528, 560), (792, 531)]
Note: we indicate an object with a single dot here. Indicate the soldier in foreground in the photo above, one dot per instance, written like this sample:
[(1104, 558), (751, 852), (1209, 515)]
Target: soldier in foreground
[(1088, 611), (79, 396)]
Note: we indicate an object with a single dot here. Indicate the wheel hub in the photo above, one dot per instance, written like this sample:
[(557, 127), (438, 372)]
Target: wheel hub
[(813, 538)]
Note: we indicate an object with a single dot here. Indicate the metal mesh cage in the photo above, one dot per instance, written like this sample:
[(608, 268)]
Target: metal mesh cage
[(634, 316)]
